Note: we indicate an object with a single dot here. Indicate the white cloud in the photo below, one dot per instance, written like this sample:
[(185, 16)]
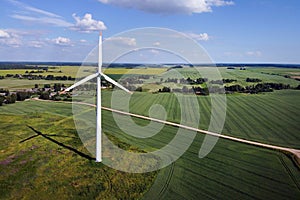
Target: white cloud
[(12, 42), (43, 20), (170, 6), (123, 41), (156, 44), (254, 53), (32, 9), (10, 38), (87, 24), (4, 34), (35, 15), (62, 41), (36, 44), (22, 38), (201, 36), (219, 3)]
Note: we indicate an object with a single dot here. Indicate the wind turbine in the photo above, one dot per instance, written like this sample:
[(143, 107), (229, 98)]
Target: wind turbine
[(98, 110)]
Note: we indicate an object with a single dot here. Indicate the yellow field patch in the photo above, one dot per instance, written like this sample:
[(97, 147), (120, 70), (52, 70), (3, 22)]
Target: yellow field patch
[(146, 71), (12, 71), (53, 70)]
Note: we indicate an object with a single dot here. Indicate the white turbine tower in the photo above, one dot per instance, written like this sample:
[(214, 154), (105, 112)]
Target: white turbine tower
[(98, 112)]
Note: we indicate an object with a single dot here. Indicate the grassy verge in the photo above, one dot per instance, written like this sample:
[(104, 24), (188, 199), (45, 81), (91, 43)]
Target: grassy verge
[(41, 169)]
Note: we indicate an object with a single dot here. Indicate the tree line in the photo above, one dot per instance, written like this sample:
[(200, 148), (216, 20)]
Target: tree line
[(197, 81), (9, 98), (47, 92), (38, 77), (258, 88), (253, 89)]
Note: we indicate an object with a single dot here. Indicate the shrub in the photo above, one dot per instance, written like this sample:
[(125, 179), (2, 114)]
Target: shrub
[(1, 100), (45, 96)]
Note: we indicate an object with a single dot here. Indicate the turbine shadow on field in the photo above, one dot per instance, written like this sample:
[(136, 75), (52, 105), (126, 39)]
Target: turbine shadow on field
[(52, 135), (83, 155)]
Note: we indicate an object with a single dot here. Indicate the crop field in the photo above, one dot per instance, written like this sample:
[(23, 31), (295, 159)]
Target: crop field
[(40, 168), (12, 71), (265, 74), (269, 118), (231, 170), (14, 84), (146, 70), (277, 71), (53, 70)]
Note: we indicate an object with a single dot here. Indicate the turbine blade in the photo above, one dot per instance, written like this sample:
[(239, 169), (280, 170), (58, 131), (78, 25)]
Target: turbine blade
[(100, 52), (86, 79), (115, 83)]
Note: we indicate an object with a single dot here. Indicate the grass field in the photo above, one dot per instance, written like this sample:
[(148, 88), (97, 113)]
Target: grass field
[(41, 169), (148, 71), (13, 84)]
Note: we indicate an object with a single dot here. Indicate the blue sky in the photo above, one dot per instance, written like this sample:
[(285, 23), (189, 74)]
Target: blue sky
[(260, 31)]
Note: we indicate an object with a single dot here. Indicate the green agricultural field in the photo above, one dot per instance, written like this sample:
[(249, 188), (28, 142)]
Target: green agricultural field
[(277, 71), (53, 70), (265, 74), (231, 170), (270, 118), (13, 84), (12, 71), (70, 71), (146, 70)]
